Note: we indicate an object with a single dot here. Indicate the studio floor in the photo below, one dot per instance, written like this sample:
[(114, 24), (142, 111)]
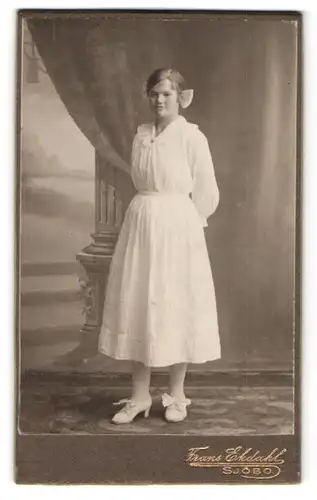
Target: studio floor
[(85, 406)]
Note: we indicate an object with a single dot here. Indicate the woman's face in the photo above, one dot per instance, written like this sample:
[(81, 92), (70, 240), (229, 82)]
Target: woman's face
[(164, 99)]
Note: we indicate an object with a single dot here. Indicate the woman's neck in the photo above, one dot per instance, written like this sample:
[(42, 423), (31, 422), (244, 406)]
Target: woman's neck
[(162, 122)]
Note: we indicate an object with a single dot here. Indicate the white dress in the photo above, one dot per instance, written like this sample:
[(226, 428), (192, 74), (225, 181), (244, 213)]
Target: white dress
[(160, 306)]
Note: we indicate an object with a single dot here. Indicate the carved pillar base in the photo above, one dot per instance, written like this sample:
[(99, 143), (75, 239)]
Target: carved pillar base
[(96, 259)]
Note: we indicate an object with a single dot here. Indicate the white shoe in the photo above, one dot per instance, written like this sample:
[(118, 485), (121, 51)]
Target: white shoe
[(131, 410), (176, 409)]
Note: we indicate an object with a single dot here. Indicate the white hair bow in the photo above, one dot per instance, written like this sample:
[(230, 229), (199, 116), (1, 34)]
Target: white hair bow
[(186, 97)]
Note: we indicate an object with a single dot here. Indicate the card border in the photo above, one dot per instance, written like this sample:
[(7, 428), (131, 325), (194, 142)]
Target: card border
[(45, 459)]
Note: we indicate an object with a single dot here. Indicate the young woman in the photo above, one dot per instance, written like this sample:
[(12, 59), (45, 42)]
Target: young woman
[(160, 307)]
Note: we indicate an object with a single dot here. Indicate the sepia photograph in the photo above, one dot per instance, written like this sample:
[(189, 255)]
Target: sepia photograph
[(157, 265)]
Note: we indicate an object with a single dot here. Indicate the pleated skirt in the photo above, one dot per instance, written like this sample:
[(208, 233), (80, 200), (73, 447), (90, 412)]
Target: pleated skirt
[(160, 305)]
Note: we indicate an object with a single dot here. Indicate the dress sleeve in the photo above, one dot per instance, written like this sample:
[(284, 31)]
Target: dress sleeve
[(141, 135), (135, 150), (205, 193)]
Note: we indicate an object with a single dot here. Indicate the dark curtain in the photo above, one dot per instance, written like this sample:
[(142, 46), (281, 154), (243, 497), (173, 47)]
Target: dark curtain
[(244, 76), (98, 68)]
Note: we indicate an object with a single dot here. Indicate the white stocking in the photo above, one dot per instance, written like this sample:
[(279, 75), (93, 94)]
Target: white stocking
[(176, 380), (141, 376)]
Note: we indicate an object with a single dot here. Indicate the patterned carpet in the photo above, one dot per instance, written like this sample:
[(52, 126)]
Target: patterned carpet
[(57, 408)]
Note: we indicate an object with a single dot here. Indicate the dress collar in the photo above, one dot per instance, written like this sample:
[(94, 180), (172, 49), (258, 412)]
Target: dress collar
[(174, 122), (146, 132)]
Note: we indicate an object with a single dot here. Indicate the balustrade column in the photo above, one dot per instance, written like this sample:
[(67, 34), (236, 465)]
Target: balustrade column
[(96, 257)]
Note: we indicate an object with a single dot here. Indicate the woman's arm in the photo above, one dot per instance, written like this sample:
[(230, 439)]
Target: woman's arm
[(205, 194)]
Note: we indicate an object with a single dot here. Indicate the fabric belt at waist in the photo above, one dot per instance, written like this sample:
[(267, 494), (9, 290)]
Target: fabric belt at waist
[(162, 193)]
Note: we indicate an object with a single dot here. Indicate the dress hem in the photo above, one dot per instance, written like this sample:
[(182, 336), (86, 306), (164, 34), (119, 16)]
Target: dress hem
[(174, 362)]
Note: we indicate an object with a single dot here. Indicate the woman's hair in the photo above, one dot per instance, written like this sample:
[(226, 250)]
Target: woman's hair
[(176, 79)]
